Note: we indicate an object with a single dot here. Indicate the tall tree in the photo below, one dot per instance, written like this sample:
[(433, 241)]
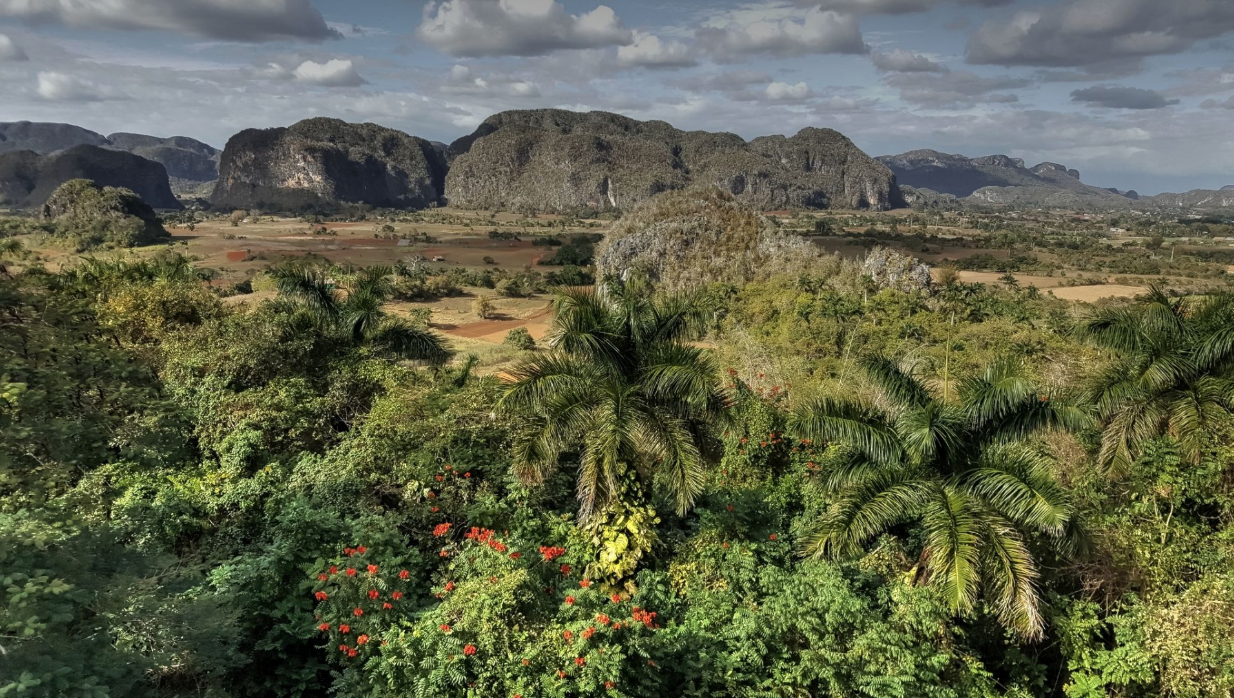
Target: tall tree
[(1172, 372), (959, 469), (621, 386)]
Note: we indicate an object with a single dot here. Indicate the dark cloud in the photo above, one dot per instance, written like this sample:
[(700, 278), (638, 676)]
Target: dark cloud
[(901, 61), (955, 90), (230, 20), (477, 28), (1117, 97), (817, 32), (1087, 32), (1108, 70)]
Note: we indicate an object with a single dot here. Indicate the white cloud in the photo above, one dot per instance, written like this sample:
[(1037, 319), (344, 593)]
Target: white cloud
[(230, 20), (10, 51), (475, 28), (335, 72), (818, 31), (61, 87), (650, 51), (783, 92), (464, 82), (901, 61)]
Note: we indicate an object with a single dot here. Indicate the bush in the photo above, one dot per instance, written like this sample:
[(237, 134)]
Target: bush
[(482, 307), (520, 338)]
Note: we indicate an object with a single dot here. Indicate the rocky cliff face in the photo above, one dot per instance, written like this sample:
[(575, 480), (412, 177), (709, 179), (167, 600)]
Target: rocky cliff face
[(555, 160), (998, 179), (28, 179), (322, 162)]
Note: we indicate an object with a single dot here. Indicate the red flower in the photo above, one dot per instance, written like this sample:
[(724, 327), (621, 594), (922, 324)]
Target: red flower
[(515, 556), (616, 598), (387, 606), (441, 529), (372, 569), (343, 648), (438, 478), (432, 495), (358, 612), (323, 627), (609, 685), (362, 640), (602, 619), (568, 635), (469, 650), (333, 569), (361, 550), (396, 595), (565, 570), (580, 661), (323, 576), (435, 509), (588, 633), (445, 628), (443, 553), (349, 551), (352, 653), (373, 593), (466, 474), (321, 596), (772, 536), (344, 628), (561, 674), (404, 574), (569, 600), (551, 553), (351, 571), (584, 583), (449, 586)]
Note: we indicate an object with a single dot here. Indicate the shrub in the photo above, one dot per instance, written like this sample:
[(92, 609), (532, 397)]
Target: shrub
[(520, 338), (482, 307)]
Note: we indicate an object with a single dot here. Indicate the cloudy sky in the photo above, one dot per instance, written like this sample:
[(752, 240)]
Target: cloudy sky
[(1134, 93)]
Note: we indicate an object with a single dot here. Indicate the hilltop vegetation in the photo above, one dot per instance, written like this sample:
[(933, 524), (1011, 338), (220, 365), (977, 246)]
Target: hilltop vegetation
[(763, 473)]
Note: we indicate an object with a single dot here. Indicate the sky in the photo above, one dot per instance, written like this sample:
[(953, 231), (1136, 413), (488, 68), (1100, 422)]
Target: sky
[(1136, 94)]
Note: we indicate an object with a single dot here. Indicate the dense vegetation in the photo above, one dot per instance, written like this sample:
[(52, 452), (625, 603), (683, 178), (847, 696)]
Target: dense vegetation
[(857, 485)]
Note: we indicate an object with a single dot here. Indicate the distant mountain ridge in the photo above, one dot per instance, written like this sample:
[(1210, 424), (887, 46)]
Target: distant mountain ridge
[(186, 160), (1004, 180)]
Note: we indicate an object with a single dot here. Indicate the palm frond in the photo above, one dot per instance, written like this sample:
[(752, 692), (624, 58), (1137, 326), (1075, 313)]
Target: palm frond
[(1018, 484), (930, 432), (410, 342), (880, 502), (897, 385), (861, 427), (1011, 578), (953, 540)]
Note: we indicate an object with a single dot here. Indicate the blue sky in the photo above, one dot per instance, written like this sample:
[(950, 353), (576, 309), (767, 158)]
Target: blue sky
[(1134, 93)]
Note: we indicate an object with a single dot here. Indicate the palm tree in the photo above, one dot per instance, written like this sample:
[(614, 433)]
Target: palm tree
[(621, 387), (960, 469), (1172, 373), (313, 301)]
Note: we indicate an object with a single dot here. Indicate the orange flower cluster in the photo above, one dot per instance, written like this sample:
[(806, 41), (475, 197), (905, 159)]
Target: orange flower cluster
[(485, 536), (551, 553), (441, 529), (646, 618)]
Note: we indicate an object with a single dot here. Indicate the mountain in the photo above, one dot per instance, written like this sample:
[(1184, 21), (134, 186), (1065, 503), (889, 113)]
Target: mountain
[(189, 163), (556, 160), (321, 162), (184, 158), (28, 179), (44, 138), (999, 179), (1198, 199)]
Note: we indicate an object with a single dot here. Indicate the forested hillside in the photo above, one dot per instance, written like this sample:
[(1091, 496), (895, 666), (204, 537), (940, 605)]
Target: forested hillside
[(845, 480)]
